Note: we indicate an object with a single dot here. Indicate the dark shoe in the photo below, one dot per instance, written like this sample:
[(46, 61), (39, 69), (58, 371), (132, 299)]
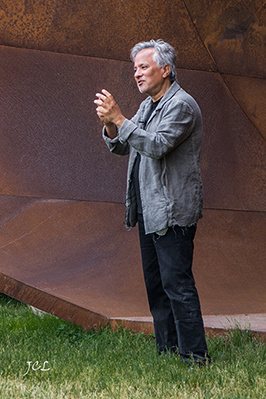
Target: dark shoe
[(197, 360)]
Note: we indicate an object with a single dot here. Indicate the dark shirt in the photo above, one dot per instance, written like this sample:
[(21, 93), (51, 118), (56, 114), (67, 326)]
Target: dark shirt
[(135, 172)]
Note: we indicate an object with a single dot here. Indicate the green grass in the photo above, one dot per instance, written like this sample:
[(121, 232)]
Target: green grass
[(117, 364)]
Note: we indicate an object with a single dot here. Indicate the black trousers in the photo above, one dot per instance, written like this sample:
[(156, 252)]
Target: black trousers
[(172, 295)]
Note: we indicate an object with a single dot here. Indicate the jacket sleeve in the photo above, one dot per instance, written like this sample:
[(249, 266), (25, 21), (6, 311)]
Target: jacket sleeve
[(174, 126), (115, 145)]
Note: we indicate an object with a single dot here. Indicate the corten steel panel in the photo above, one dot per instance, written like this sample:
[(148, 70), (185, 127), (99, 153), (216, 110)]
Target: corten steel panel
[(234, 151), (229, 33), (250, 94), (11, 206), (51, 142), (229, 263), (234, 33), (50, 139), (52, 304), (106, 29), (71, 258), (78, 252)]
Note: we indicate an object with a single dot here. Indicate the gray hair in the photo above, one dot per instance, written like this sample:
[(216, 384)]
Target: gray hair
[(164, 54)]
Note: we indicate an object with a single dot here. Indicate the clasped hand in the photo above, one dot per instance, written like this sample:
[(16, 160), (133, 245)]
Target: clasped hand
[(107, 109)]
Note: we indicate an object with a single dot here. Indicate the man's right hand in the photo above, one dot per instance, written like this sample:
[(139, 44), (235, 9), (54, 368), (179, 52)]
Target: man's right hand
[(109, 112)]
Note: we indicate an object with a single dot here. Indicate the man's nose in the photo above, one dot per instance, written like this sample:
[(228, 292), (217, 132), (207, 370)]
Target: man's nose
[(137, 73)]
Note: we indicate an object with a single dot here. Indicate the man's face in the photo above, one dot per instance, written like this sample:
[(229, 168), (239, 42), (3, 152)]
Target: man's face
[(149, 77)]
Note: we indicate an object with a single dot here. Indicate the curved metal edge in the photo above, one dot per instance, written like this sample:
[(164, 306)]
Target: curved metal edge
[(83, 317), (51, 304)]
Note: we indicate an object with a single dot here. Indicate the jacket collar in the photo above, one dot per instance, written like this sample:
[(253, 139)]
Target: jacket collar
[(168, 95)]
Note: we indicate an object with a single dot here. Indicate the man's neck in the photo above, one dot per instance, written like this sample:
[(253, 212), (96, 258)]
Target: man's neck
[(166, 86)]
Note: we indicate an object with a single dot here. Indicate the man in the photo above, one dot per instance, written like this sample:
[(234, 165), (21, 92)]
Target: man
[(164, 192)]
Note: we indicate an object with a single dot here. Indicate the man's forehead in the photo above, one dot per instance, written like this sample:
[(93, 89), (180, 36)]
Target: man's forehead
[(145, 55)]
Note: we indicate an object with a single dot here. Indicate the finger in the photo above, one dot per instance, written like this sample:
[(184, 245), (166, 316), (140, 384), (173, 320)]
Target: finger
[(100, 96), (100, 109), (106, 93), (100, 115), (98, 102)]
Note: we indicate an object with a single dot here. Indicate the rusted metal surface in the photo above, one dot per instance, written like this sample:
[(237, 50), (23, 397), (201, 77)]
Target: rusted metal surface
[(69, 254), (233, 154), (51, 138), (105, 29), (234, 32), (229, 263), (250, 93), (51, 304), (66, 257), (50, 134), (76, 251), (210, 35)]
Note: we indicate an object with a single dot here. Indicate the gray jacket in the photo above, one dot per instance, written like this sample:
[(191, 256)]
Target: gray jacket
[(169, 171)]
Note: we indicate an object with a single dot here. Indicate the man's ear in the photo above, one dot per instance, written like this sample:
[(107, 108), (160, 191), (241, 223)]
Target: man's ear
[(166, 71)]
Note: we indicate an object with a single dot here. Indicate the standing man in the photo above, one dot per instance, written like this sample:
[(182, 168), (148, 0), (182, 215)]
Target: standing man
[(164, 192)]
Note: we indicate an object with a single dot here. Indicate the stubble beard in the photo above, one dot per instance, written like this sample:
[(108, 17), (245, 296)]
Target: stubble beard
[(141, 91)]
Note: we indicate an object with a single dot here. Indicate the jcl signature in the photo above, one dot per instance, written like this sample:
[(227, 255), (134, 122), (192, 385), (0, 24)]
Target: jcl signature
[(35, 367)]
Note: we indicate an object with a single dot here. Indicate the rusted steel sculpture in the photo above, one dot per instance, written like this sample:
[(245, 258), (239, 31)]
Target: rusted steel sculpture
[(63, 246)]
